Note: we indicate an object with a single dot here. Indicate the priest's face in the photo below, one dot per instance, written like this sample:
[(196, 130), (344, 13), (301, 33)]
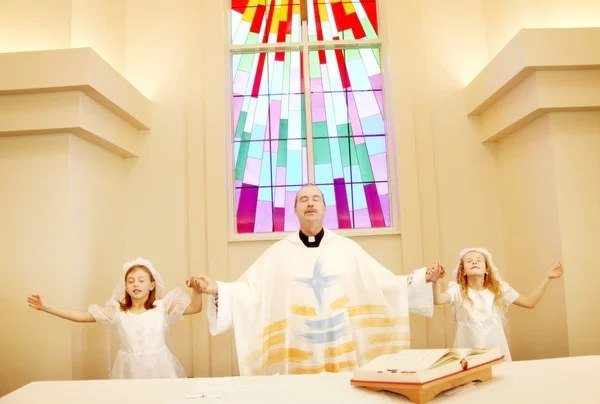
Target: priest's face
[(310, 206)]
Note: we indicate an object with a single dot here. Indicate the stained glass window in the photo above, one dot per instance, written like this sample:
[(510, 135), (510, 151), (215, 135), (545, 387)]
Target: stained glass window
[(265, 21), (269, 139), (342, 20), (347, 132)]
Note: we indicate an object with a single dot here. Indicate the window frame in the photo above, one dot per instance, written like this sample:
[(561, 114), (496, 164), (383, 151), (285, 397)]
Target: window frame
[(305, 46)]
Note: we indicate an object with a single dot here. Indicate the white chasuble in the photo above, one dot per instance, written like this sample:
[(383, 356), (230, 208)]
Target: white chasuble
[(301, 310)]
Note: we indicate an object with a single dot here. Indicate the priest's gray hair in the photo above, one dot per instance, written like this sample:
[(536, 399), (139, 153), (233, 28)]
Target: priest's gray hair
[(309, 184)]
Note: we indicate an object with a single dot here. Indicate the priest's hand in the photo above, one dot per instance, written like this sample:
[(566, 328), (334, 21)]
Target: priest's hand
[(433, 272), (195, 283), (442, 271), (204, 284)]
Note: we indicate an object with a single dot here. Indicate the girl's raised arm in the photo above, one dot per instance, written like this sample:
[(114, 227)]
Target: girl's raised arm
[(531, 300), (36, 302), (440, 297)]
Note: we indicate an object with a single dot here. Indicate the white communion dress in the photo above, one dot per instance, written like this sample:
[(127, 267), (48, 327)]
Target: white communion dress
[(480, 324), (143, 350)]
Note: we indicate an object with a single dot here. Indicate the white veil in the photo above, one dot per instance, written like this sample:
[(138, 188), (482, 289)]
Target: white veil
[(119, 291), (482, 251)]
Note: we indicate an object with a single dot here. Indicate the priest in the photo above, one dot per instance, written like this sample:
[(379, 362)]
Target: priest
[(316, 301)]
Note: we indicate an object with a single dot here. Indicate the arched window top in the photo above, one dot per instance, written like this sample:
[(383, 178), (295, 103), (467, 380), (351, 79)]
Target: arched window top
[(280, 21)]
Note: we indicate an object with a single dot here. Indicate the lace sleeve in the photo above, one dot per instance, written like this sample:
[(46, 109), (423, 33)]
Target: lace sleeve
[(106, 315), (454, 293), (509, 295), (174, 304)]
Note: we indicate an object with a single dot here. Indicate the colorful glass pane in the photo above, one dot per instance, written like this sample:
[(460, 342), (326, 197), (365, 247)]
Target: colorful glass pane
[(269, 139), (265, 21), (342, 20), (349, 142)]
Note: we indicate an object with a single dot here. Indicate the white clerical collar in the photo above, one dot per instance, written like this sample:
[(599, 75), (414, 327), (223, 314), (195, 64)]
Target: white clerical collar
[(311, 241)]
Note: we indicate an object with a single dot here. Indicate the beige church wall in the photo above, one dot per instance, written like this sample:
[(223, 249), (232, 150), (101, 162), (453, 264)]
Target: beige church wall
[(97, 213), (100, 25), (30, 25), (63, 199), (576, 138), (35, 25), (503, 19), (550, 195), (533, 240), (34, 213)]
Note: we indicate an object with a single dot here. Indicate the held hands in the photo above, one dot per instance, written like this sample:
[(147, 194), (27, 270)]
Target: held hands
[(203, 284), (557, 271), (196, 284), (36, 302), (434, 272)]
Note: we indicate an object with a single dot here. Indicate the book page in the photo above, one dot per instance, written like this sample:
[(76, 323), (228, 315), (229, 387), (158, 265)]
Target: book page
[(409, 360), (448, 358), (474, 352), (462, 353), (465, 353), (458, 354)]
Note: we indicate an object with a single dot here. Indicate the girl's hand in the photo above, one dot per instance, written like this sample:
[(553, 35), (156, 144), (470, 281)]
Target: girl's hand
[(193, 284), (36, 302), (203, 284), (432, 273), (557, 271), (442, 271)]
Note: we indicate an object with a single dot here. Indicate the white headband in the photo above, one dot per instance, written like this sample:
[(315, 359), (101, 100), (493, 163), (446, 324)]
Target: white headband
[(119, 291), (482, 251)]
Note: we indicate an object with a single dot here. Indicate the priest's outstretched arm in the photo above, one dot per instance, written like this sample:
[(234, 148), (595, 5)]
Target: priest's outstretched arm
[(222, 296), (220, 317), (418, 282), (420, 291)]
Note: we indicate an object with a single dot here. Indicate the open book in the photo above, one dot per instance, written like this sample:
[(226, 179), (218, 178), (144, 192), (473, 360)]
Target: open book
[(418, 366)]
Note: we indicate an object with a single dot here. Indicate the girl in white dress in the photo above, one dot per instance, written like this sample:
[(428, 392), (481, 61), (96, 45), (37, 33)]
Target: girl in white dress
[(480, 299), (140, 313)]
